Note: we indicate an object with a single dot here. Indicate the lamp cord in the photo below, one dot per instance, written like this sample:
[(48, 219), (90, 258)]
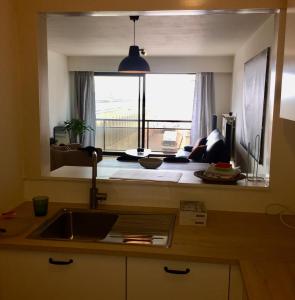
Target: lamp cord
[(282, 210), (134, 32)]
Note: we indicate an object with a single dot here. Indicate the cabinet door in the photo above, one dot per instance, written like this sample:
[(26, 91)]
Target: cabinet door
[(30, 275), (236, 286), (173, 280)]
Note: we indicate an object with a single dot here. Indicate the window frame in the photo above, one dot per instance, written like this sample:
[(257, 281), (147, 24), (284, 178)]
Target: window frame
[(142, 119)]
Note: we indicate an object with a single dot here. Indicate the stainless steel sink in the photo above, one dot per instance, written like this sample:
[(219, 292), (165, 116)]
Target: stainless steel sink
[(70, 224), (108, 227)]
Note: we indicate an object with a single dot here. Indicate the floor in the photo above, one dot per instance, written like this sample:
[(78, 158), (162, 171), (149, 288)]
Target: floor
[(111, 162)]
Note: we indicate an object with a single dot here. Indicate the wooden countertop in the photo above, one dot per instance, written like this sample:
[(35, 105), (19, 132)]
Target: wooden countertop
[(259, 243), (266, 280)]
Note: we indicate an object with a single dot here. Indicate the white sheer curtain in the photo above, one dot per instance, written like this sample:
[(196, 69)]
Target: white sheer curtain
[(83, 105), (203, 106)]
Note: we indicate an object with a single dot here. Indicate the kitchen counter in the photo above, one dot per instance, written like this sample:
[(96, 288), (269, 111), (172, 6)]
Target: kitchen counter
[(105, 172), (269, 280), (255, 241)]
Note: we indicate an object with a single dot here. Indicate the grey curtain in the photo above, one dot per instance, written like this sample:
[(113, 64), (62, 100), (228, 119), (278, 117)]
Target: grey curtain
[(203, 106), (83, 105)]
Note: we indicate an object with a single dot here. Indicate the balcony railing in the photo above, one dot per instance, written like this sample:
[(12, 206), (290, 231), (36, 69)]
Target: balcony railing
[(160, 135)]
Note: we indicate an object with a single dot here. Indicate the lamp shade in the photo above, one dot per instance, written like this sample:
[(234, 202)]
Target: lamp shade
[(134, 63)]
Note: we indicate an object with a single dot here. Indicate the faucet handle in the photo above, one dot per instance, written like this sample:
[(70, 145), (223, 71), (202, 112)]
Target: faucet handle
[(101, 196)]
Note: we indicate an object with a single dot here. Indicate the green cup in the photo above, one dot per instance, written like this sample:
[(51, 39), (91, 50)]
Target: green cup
[(40, 204)]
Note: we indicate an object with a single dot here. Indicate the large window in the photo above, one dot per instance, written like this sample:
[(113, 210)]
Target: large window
[(116, 112), (169, 103), (152, 111)]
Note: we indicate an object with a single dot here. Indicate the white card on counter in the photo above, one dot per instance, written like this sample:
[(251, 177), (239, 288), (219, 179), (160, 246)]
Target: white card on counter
[(148, 175)]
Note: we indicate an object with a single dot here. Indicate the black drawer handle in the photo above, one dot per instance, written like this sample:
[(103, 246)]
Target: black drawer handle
[(60, 262), (178, 272)]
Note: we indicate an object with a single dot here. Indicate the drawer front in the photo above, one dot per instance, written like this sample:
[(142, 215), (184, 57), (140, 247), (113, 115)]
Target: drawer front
[(150, 279), (54, 276)]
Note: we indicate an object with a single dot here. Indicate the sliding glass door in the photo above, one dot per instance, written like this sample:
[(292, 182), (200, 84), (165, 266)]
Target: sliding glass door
[(151, 111), (169, 103), (117, 109)]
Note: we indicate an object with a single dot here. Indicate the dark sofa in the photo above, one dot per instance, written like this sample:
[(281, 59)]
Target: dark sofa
[(211, 149)]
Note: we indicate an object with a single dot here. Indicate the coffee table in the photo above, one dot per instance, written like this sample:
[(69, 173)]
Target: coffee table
[(133, 152)]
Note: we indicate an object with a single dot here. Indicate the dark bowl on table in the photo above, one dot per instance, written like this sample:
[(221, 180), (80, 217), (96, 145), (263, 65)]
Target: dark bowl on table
[(150, 162)]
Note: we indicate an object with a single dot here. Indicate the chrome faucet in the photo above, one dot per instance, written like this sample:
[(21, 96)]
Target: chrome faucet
[(95, 197)]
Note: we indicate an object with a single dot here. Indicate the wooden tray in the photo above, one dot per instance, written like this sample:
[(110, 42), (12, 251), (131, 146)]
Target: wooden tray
[(200, 174)]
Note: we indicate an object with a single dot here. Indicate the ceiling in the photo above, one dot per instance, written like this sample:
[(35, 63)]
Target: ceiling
[(213, 34)]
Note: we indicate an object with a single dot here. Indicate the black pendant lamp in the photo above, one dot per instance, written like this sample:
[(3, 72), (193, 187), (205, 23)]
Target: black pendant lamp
[(134, 63)]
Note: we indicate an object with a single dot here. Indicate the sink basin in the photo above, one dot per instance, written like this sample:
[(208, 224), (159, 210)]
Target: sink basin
[(71, 224), (108, 227)]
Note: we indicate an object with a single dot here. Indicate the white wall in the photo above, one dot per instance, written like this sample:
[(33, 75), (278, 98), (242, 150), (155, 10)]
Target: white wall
[(223, 91), (190, 64), (58, 89), (261, 39)]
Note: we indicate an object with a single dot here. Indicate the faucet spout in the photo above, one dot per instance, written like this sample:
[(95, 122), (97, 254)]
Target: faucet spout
[(94, 196)]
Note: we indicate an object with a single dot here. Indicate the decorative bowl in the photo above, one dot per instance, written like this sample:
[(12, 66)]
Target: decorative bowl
[(150, 162), (206, 179)]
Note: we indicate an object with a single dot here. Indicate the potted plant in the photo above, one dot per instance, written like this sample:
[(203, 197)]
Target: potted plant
[(76, 128)]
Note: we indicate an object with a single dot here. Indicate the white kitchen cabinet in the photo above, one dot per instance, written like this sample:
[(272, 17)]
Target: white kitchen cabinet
[(288, 81), (29, 275), (152, 279)]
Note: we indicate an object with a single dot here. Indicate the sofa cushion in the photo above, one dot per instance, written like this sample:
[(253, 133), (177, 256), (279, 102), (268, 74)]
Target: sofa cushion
[(126, 157), (198, 150), (213, 138), (175, 159), (216, 153), (200, 142), (216, 149), (188, 148), (182, 153), (198, 153), (89, 150)]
